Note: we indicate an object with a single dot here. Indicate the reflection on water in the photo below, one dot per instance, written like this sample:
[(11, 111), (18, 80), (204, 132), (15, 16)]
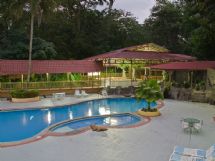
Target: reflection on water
[(104, 110), (89, 112), (49, 117), (111, 121), (70, 115)]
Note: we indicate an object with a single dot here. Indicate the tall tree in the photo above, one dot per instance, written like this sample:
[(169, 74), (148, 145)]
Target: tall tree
[(163, 25), (36, 8)]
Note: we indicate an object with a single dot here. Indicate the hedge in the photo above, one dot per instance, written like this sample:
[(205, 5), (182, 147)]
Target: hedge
[(24, 93)]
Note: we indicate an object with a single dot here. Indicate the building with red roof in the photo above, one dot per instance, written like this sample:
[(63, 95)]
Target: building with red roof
[(186, 66), (14, 67)]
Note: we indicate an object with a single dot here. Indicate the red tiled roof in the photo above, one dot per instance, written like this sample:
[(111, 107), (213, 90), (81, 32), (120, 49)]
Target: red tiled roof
[(122, 53), (195, 65), (8, 67)]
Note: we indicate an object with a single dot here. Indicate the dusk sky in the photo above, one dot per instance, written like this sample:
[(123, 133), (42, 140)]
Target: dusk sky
[(139, 8)]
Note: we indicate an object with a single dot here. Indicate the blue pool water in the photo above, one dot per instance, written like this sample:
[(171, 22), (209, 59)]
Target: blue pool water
[(115, 120), (23, 124)]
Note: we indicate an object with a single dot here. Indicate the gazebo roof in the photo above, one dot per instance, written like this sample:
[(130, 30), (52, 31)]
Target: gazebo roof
[(195, 65), (146, 52), (9, 67)]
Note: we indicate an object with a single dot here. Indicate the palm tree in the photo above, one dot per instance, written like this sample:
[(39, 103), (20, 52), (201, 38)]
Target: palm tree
[(36, 8), (150, 91)]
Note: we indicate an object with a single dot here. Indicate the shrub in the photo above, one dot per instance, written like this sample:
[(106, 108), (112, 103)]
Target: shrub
[(24, 93), (186, 85), (150, 91)]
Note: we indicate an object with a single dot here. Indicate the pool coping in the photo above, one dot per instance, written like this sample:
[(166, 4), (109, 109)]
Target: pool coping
[(46, 132), (58, 106), (143, 120)]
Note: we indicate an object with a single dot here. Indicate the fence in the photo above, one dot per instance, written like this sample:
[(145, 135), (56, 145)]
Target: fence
[(48, 85), (72, 84)]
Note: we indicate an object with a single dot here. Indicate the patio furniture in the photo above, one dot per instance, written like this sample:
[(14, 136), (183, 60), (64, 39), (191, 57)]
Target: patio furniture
[(177, 157), (190, 122), (83, 93), (77, 93), (59, 96), (189, 154), (185, 125), (198, 126), (104, 92)]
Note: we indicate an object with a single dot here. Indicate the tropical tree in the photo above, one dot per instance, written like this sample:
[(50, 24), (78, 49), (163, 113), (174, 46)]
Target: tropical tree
[(36, 8), (150, 91)]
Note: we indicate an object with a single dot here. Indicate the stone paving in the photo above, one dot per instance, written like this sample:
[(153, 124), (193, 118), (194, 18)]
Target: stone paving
[(151, 142)]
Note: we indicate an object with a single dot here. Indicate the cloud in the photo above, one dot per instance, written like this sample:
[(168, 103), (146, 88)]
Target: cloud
[(139, 8)]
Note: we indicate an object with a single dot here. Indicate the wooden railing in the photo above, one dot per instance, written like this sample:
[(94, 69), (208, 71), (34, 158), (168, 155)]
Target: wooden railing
[(49, 85), (72, 84)]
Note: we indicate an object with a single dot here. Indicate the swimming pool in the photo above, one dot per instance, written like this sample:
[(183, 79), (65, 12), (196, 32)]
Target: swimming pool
[(24, 124), (115, 120)]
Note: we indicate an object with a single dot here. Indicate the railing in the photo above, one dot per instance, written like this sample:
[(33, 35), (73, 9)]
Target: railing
[(103, 75), (48, 85), (73, 84)]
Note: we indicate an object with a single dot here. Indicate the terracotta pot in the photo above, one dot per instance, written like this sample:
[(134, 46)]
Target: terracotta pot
[(149, 114)]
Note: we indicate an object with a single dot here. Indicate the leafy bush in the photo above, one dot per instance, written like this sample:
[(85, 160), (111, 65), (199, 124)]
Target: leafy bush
[(200, 86), (186, 84), (24, 93), (150, 91)]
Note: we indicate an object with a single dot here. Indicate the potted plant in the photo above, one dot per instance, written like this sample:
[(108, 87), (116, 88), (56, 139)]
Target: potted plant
[(23, 95), (150, 91)]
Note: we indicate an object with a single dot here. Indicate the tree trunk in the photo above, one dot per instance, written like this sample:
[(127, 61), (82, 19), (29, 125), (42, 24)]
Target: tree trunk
[(30, 47), (149, 107)]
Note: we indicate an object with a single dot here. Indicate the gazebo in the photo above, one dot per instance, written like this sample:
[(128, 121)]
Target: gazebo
[(137, 59)]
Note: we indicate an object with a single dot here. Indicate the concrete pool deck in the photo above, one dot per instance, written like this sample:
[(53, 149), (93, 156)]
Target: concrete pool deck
[(151, 142)]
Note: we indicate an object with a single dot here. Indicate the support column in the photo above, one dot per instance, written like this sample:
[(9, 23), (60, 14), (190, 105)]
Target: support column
[(131, 73), (47, 77), (191, 79), (109, 73), (105, 74), (22, 78)]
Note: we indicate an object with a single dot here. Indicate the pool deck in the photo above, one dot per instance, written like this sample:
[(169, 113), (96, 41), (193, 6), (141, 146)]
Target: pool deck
[(151, 142)]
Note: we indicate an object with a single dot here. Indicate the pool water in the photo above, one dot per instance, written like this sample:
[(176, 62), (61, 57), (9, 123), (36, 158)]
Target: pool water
[(114, 120), (23, 124)]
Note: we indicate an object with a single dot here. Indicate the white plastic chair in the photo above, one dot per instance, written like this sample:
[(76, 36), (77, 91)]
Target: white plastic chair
[(198, 126), (83, 93), (77, 93), (185, 125), (104, 92)]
